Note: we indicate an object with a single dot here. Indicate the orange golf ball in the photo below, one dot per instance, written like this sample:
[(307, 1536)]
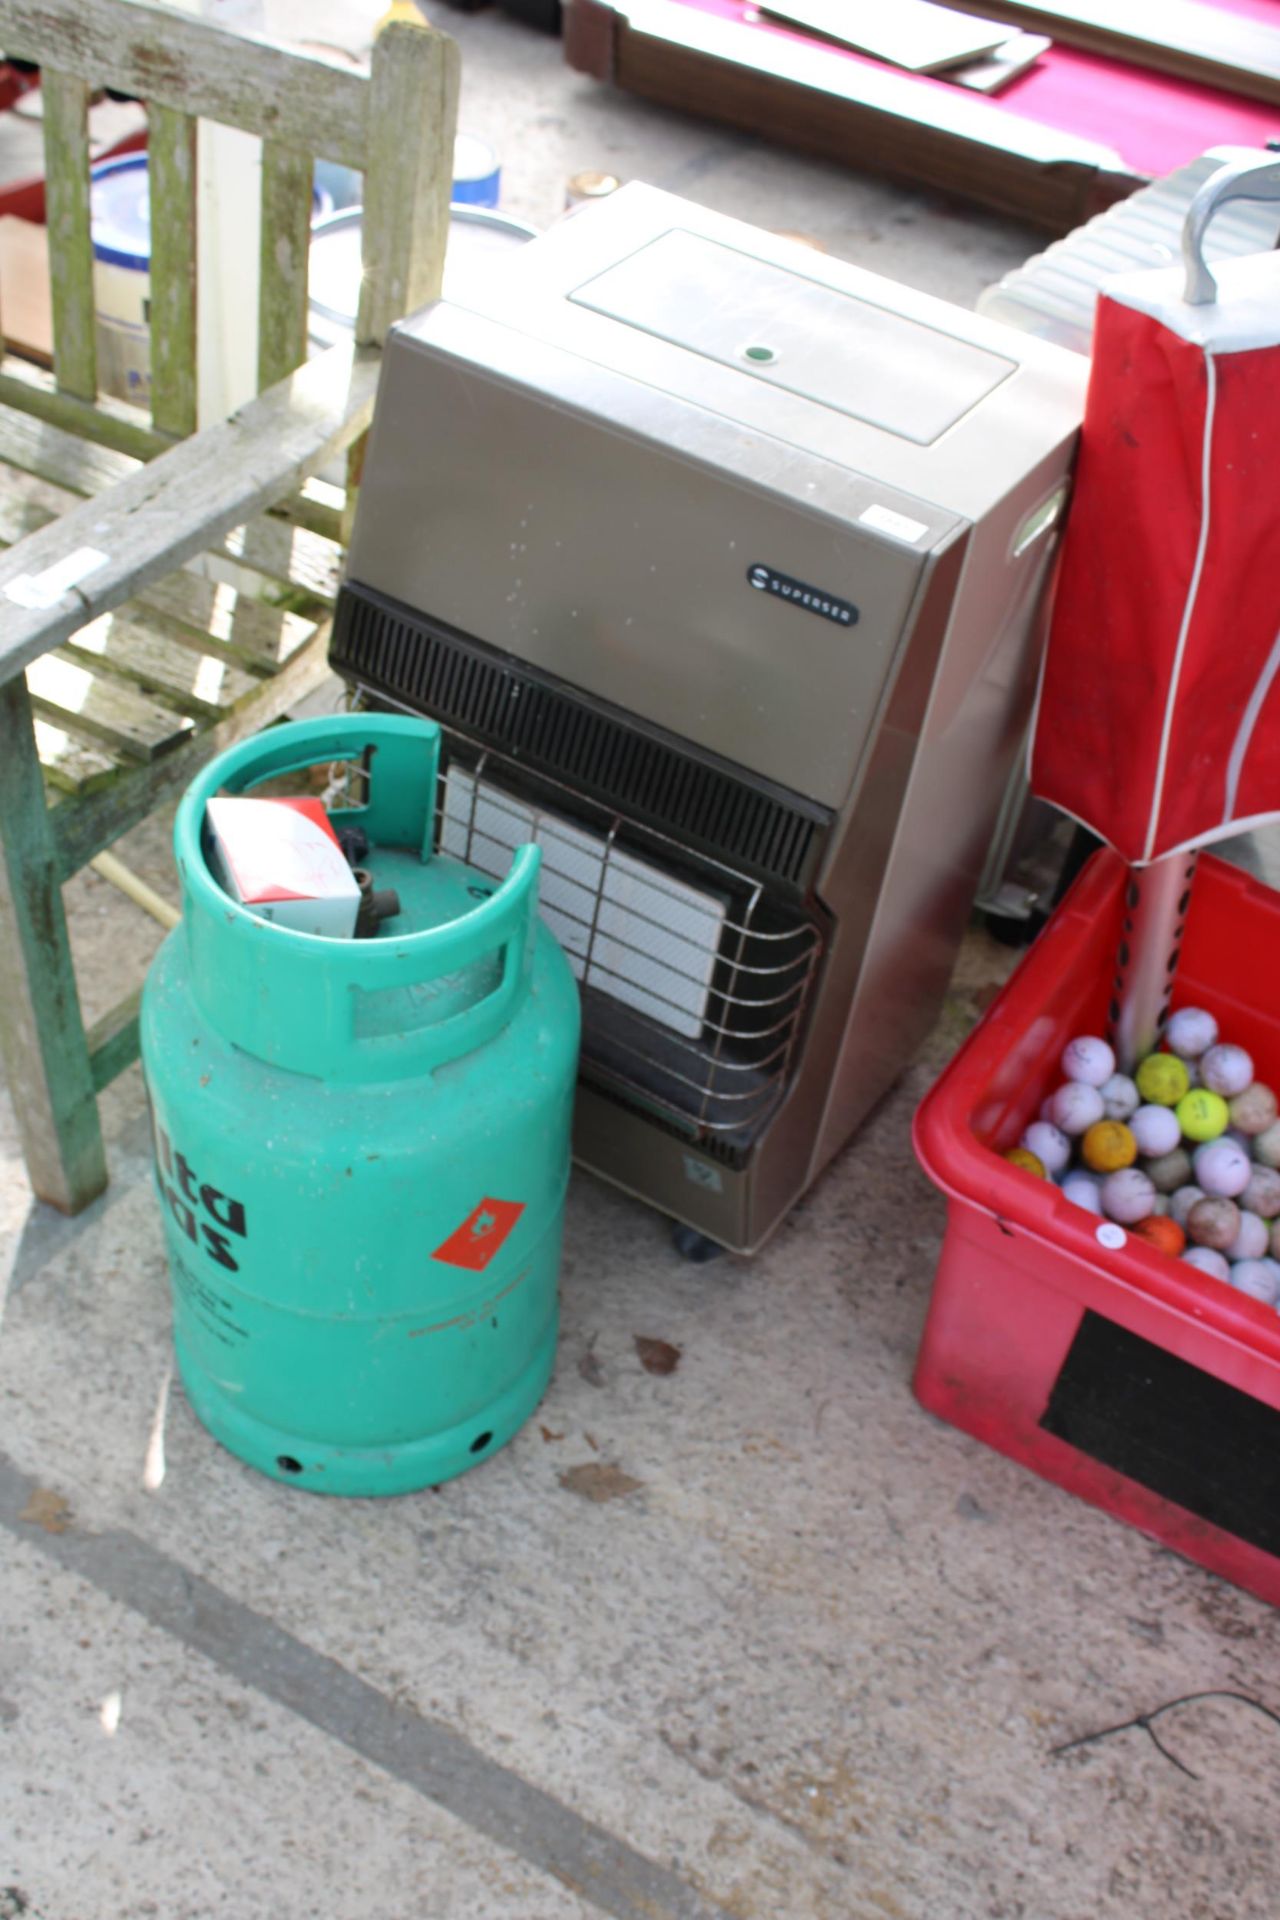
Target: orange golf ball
[(1159, 1231), (1108, 1146)]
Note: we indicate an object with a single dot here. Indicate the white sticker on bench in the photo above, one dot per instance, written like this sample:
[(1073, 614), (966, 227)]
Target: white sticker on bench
[(45, 589)]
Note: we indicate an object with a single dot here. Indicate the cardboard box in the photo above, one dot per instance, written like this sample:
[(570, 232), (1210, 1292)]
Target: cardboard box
[(281, 860)]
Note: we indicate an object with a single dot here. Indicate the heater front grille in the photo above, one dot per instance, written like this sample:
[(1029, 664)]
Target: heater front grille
[(695, 977), (387, 648)]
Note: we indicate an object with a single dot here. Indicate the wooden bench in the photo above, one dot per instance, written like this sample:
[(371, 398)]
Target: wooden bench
[(164, 591)]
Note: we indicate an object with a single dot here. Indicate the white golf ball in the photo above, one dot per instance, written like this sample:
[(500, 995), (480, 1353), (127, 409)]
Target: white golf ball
[(1255, 1278), (1049, 1144), (1226, 1070), (1076, 1106), (1082, 1190), (1190, 1032), (1253, 1239), (1089, 1059), (1208, 1262), (1120, 1097), (1127, 1196), (1155, 1129), (1181, 1203), (1222, 1168)]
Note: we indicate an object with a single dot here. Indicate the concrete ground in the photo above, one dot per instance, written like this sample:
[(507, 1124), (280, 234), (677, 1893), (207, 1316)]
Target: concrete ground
[(813, 1666)]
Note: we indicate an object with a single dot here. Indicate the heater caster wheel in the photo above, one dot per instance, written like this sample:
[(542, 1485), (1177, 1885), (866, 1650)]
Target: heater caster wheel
[(694, 1246)]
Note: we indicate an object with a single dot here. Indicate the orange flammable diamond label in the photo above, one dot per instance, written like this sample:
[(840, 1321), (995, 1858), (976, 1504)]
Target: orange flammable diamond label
[(484, 1230)]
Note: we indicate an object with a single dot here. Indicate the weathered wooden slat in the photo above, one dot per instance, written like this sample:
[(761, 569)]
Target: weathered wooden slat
[(73, 695), (170, 510), (109, 422), (73, 766), (42, 1038), (66, 164), (113, 1040), (84, 829), (233, 625), (282, 271), (293, 557), (140, 656), (171, 146), (157, 54), (408, 174), (64, 460), (190, 612), (283, 552)]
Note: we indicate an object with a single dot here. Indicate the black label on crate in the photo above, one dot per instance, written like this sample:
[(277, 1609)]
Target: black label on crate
[(1174, 1429)]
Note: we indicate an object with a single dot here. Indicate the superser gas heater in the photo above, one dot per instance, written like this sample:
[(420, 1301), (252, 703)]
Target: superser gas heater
[(720, 564)]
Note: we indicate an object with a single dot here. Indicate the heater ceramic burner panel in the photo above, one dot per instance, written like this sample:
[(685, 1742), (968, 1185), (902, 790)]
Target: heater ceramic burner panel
[(693, 993)]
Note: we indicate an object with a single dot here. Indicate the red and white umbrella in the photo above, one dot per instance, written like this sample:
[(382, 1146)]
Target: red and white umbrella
[(1158, 721)]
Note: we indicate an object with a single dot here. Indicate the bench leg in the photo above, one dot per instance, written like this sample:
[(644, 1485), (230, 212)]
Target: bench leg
[(42, 1037)]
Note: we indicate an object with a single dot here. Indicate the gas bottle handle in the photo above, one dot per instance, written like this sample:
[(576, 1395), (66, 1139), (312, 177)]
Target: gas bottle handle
[(303, 1007), (504, 925), (405, 754), (1238, 180)]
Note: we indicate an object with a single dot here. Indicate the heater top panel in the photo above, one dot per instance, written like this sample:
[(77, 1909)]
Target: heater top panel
[(790, 347), (826, 344)]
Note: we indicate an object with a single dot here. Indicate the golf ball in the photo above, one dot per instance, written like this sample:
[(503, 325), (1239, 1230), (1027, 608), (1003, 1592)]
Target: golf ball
[(1222, 1168), (1167, 1235), (1089, 1059), (1190, 1032), (1266, 1146), (1155, 1129), (1275, 1240), (1127, 1195), (1202, 1115), (1075, 1107), (1255, 1278), (1169, 1171), (1162, 1078), (1253, 1239), (1181, 1203), (1082, 1190), (1208, 1262), (1021, 1157), (1108, 1146), (1226, 1070), (1120, 1097), (1262, 1195), (1213, 1222), (1049, 1144), (1254, 1110)]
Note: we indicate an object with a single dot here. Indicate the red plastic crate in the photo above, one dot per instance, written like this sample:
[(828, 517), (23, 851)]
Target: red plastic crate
[(1125, 1376)]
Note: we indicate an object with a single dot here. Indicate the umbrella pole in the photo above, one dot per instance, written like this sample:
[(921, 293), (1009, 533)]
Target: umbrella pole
[(1156, 901)]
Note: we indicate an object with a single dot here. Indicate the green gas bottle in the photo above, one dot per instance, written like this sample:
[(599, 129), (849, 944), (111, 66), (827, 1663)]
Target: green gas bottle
[(362, 1146)]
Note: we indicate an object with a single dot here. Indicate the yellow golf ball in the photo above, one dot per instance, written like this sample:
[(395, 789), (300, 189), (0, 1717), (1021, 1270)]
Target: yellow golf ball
[(1108, 1146), (1162, 1079), (1028, 1161), (1203, 1115)]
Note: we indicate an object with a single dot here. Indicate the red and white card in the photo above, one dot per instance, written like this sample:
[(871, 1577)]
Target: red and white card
[(280, 858)]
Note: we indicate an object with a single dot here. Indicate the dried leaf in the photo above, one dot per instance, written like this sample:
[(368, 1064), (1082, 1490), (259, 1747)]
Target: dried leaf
[(548, 1435), (657, 1356), (590, 1368), (47, 1509), (597, 1480)]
